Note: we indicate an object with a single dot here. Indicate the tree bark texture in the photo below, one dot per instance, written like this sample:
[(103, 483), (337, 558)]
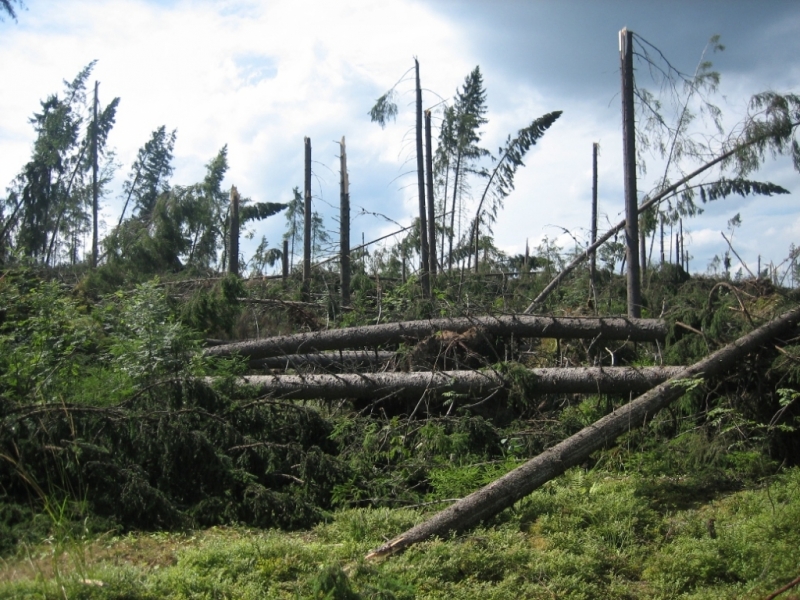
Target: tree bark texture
[(307, 221), (618, 328), (344, 226), (432, 262), (629, 163), (347, 359), (423, 217), (593, 263), (233, 246), (504, 492), (473, 384), (94, 180)]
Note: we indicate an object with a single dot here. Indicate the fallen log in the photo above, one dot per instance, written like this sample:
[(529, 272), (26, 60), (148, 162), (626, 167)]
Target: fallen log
[(342, 359), (613, 328), (504, 492), (575, 380)]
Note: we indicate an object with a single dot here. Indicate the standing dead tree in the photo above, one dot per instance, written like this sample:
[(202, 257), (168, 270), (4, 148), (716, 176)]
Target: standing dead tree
[(504, 492)]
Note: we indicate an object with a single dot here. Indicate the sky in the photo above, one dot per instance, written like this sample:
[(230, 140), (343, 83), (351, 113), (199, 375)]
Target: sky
[(260, 76)]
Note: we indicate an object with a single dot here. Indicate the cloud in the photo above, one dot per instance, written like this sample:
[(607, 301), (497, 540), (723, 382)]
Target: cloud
[(259, 76)]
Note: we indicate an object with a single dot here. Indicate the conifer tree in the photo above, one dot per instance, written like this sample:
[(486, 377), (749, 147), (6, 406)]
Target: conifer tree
[(458, 142), (50, 199), (150, 172)]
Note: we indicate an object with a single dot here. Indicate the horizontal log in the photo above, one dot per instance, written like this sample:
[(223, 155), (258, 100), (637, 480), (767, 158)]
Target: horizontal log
[(577, 380), (614, 328), (344, 358)]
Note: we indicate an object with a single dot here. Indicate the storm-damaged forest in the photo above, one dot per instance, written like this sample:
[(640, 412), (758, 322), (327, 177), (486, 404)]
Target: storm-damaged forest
[(184, 414)]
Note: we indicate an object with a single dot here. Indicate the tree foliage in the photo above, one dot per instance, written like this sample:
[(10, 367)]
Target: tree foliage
[(49, 203)]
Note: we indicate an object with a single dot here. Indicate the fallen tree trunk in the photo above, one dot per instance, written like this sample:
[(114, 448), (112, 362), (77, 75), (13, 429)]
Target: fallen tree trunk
[(343, 359), (523, 480), (576, 380), (614, 328)]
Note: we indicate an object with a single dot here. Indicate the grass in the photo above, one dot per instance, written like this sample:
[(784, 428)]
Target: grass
[(584, 535)]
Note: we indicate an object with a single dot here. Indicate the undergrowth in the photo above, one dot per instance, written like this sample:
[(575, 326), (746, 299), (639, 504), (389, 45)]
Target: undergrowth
[(109, 424)]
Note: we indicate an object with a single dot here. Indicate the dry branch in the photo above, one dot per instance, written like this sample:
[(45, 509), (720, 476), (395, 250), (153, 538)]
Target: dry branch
[(520, 482), (577, 380), (619, 328)]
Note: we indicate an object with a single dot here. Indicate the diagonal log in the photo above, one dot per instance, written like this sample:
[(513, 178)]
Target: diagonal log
[(615, 328), (576, 380), (520, 482)]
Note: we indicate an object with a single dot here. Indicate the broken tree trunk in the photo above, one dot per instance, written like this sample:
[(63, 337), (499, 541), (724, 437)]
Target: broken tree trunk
[(474, 384), (504, 492), (619, 328), (340, 360)]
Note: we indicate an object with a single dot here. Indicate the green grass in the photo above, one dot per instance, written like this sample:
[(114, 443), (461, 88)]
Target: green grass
[(584, 535)]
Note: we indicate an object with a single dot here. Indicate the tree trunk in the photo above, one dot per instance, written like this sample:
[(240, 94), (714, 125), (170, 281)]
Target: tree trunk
[(344, 227), (639, 330), (285, 260), (307, 222), (423, 217), (233, 257), (504, 492), (474, 384), (431, 207), (94, 179), (453, 211), (593, 261), (346, 359), (629, 156)]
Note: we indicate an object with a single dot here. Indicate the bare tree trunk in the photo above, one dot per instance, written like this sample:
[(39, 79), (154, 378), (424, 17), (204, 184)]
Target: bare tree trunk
[(593, 259), (94, 179), (344, 227), (344, 359), (431, 207), (629, 154), (307, 223), (453, 212), (423, 217), (504, 492), (474, 384), (285, 260), (233, 257), (640, 330)]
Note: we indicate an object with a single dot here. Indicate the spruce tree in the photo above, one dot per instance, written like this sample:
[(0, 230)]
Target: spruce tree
[(459, 141)]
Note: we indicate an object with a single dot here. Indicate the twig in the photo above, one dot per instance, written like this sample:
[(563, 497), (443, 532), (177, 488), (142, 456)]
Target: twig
[(744, 264)]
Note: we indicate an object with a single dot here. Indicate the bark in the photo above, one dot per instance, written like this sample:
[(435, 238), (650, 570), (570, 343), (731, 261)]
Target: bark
[(629, 162), (429, 189), (621, 328), (474, 384), (94, 179), (307, 221), (346, 359), (344, 227), (233, 258), (423, 217), (520, 482)]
